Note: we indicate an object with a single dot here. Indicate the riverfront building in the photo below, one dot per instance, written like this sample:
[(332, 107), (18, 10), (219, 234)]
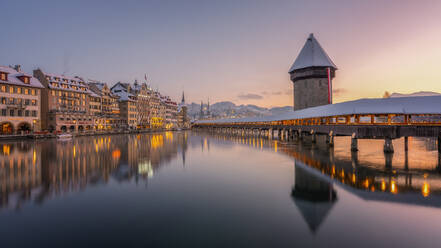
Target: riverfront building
[(127, 105), (20, 99), (65, 103), (312, 74), (108, 114)]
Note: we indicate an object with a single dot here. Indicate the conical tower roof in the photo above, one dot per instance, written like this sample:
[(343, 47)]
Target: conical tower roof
[(312, 54)]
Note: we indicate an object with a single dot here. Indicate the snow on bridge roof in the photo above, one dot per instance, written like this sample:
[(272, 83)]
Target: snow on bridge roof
[(401, 105)]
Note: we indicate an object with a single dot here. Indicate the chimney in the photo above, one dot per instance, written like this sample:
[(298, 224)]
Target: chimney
[(17, 68)]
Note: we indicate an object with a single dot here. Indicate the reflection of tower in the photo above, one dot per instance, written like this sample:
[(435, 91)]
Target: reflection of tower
[(184, 147), (313, 196)]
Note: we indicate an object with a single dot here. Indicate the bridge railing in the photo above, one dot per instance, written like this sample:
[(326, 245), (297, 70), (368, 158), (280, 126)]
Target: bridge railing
[(357, 119)]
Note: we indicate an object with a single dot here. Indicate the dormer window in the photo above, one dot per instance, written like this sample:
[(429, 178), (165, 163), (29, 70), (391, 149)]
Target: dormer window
[(25, 79), (3, 76)]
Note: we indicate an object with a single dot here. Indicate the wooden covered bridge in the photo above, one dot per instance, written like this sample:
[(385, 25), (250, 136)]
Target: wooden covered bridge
[(384, 118)]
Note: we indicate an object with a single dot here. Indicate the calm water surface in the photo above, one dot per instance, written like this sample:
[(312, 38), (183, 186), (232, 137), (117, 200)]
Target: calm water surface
[(188, 189)]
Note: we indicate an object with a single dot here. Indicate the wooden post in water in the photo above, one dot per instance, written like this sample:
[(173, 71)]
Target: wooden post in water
[(388, 146), (406, 143), (354, 143), (439, 143)]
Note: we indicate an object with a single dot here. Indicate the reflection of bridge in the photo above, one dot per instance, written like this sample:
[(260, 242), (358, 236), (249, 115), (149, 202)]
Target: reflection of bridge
[(382, 183)]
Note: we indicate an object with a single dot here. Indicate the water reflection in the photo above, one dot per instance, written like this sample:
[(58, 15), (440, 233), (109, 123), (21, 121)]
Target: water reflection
[(313, 195), (366, 177), (37, 171)]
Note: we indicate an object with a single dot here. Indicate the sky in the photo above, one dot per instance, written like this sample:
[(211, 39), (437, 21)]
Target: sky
[(228, 50)]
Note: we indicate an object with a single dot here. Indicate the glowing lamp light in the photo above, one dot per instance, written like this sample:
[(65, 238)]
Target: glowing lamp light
[(393, 187), (425, 190), (116, 154)]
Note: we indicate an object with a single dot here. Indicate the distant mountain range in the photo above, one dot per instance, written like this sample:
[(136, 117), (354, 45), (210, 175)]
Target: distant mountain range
[(419, 93), (231, 110)]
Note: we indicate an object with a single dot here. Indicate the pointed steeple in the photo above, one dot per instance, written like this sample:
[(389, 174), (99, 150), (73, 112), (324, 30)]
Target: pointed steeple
[(183, 98), (312, 55), (208, 106), (201, 114)]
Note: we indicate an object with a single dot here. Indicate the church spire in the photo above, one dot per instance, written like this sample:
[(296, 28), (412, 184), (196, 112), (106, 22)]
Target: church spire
[(183, 98)]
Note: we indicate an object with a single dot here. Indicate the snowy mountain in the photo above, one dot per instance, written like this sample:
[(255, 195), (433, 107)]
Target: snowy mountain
[(230, 110), (419, 93)]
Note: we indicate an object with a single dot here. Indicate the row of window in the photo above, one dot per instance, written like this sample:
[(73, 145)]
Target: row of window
[(67, 86), (66, 94), (18, 90), (19, 112), (18, 101)]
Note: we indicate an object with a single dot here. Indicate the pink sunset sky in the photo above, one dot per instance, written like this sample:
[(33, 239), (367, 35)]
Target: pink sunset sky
[(237, 51)]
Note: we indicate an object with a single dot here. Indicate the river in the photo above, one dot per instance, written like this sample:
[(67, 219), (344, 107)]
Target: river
[(195, 189)]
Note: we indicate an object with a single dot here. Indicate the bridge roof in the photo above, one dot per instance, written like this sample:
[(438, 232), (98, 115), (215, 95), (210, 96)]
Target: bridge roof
[(401, 105), (312, 54)]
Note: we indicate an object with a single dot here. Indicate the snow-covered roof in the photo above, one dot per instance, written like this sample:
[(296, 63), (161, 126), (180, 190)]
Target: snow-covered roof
[(312, 54), (13, 78), (401, 105), (75, 84), (123, 94)]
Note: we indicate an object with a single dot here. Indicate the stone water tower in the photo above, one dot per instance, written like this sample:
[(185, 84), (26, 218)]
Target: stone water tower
[(312, 74)]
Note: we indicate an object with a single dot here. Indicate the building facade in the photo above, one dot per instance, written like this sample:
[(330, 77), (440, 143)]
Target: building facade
[(20, 100), (65, 103), (312, 74), (128, 106), (108, 117)]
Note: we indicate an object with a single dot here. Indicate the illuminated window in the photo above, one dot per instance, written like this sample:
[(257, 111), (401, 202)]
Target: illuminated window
[(3, 76), (26, 91), (33, 92), (3, 88), (11, 89), (19, 90), (53, 92)]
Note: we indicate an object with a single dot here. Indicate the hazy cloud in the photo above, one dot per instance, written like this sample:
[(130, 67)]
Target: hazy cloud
[(250, 96), (338, 91), (274, 93)]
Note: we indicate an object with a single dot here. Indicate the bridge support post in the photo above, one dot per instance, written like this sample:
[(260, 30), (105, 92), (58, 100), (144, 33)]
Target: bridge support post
[(406, 143), (330, 140), (313, 137), (439, 143), (388, 146), (354, 143), (300, 135)]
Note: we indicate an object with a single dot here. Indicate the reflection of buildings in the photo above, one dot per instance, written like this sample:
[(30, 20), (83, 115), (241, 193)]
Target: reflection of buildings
[(314, 196), (39, 171)]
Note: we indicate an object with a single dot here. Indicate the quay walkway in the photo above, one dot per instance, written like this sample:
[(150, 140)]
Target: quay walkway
[(383, 118)]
